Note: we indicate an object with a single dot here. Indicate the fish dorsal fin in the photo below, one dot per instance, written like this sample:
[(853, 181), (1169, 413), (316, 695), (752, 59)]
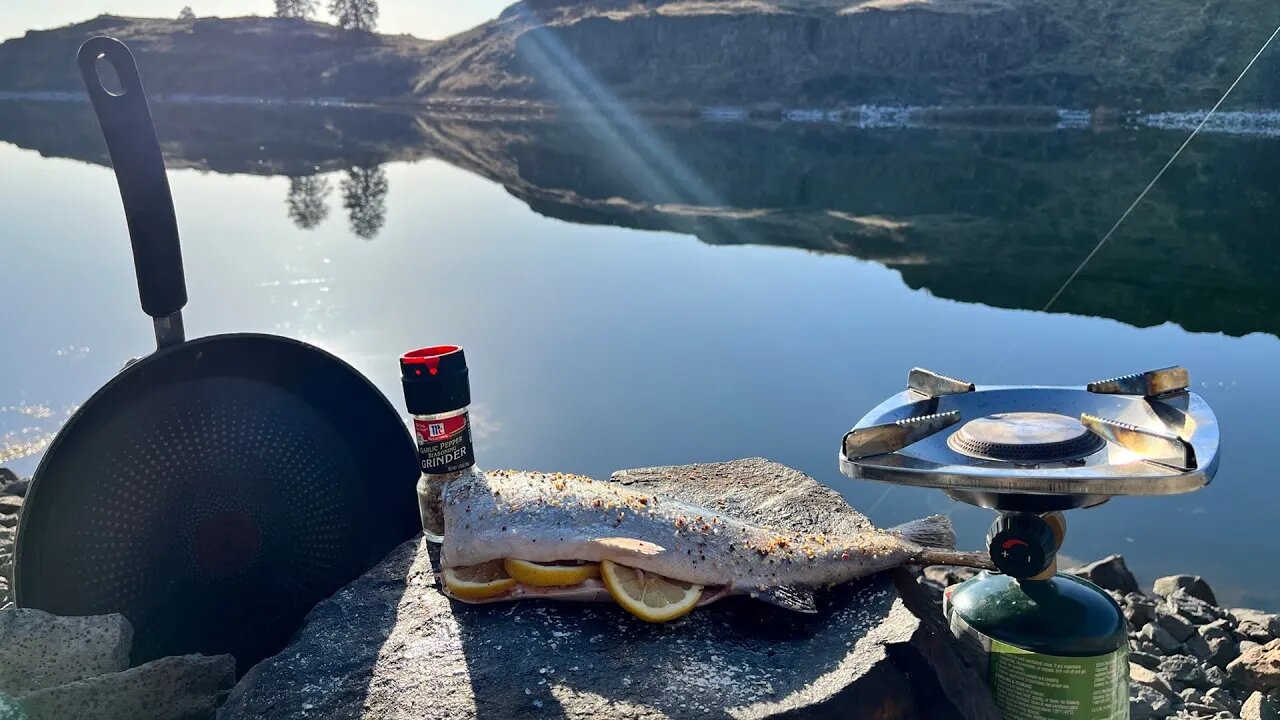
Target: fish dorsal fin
[(931, 532), (790, 597), (630, 546)]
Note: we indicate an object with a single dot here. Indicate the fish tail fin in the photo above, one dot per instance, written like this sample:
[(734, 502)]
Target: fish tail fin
[(933, 556), (931, 532)]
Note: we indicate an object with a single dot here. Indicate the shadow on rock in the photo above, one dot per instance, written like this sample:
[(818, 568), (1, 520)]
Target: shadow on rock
[(332, 660)]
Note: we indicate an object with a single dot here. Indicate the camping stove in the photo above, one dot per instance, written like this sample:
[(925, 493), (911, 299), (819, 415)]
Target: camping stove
[(1057, 645), (1039, 449)]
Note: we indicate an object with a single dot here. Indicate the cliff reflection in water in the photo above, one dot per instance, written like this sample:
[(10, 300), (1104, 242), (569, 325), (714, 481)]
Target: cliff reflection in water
[(999, 217)]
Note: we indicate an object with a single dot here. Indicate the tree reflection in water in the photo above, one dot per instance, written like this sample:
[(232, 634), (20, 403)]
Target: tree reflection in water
[(307, 200), (364, 195)]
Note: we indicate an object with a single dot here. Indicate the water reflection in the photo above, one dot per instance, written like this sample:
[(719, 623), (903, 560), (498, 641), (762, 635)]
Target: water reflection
[(308, 201), (994, 217), (364, 195)]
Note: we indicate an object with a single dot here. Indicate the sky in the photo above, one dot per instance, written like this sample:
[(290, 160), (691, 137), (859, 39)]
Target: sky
[(424, 18)]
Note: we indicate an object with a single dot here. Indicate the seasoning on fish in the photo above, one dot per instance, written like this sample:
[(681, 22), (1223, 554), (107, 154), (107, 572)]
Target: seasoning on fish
[(549, 518)]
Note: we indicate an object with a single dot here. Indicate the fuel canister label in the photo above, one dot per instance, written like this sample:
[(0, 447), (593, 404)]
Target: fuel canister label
[(1030, 686), (444, 444)]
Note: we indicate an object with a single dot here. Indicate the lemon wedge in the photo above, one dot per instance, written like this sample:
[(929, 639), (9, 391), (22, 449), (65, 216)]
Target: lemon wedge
[(478, 582), (650, 597), (550, 574)]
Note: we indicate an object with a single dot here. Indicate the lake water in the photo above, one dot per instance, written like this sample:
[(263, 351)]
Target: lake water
[(636, 293)]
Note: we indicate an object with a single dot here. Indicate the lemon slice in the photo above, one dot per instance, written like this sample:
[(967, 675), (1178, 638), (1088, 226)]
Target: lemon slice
[(478, 582), (650, 597), (550, 574)]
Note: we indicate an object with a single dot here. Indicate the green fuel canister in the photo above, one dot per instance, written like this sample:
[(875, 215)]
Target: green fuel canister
[(1056, 645)]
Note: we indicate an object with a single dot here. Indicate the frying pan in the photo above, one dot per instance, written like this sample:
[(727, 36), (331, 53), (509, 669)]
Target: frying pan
[(215, 490)]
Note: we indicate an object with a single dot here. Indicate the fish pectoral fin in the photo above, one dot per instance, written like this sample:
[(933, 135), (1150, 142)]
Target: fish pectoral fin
[(629, 545), (791, 597)]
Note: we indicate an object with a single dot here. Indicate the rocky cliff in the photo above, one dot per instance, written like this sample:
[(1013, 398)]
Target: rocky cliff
[(698, 53), (1082, 53), (244, 57)]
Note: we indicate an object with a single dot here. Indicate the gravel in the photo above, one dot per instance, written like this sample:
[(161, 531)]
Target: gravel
[(12, 491)]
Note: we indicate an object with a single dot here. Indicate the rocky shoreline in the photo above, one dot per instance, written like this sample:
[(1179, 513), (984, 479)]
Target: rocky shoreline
[(1190, 658), (12, 491)]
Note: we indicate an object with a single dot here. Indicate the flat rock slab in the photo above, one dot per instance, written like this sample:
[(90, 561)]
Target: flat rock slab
[(186, 687), (390, 646), (39, 650)]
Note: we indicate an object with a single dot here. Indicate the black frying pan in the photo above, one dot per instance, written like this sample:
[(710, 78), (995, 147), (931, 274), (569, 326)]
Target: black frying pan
[(215, 490)]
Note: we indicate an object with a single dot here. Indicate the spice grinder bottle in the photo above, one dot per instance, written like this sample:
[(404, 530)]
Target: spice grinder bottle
[(437, 393)]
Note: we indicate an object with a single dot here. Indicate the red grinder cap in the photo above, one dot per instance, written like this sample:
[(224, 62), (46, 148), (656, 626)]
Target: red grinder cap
[(435, 379)]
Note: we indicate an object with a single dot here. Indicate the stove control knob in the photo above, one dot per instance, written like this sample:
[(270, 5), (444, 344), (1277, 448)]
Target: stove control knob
[(1022, 545)]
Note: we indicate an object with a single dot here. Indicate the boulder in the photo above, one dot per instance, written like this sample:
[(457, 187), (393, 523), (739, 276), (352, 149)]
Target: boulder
[(1256, 625), (1139, 675), (1261, 707), (14, 487), (1194, 585), (39, 650), (1138, 609), (1148, 704), (1221, 652), (187, 687), (1137, 644), (10, 504), (1216, 629), (1159, 637), (1109, 573), (1221, 699), (1146, 660), (1197, 647), (1177, 626), (1257, 668), (1200, 710), (390, 646), (1198, 611), (1182, 670)]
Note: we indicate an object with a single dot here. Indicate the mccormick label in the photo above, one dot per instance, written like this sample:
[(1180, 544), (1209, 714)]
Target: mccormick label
[(444, 444)]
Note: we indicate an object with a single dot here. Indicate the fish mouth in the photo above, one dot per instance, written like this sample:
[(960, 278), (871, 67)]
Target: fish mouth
[(592, 590)]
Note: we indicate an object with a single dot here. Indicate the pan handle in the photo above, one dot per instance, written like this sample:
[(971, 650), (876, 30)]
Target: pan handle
[(131, 139)]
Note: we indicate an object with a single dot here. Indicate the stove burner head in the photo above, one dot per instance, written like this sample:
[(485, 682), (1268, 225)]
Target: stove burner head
[(1025, 438)]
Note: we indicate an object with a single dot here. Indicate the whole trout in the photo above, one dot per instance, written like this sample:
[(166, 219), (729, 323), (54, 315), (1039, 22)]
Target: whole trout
[(554, 517)]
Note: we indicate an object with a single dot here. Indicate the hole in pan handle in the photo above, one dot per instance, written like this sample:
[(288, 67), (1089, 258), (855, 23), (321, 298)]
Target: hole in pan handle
[(131, 140)]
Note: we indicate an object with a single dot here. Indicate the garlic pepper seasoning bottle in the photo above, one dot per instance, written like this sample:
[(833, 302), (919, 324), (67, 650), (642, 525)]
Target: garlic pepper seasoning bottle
[(437, 393)]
